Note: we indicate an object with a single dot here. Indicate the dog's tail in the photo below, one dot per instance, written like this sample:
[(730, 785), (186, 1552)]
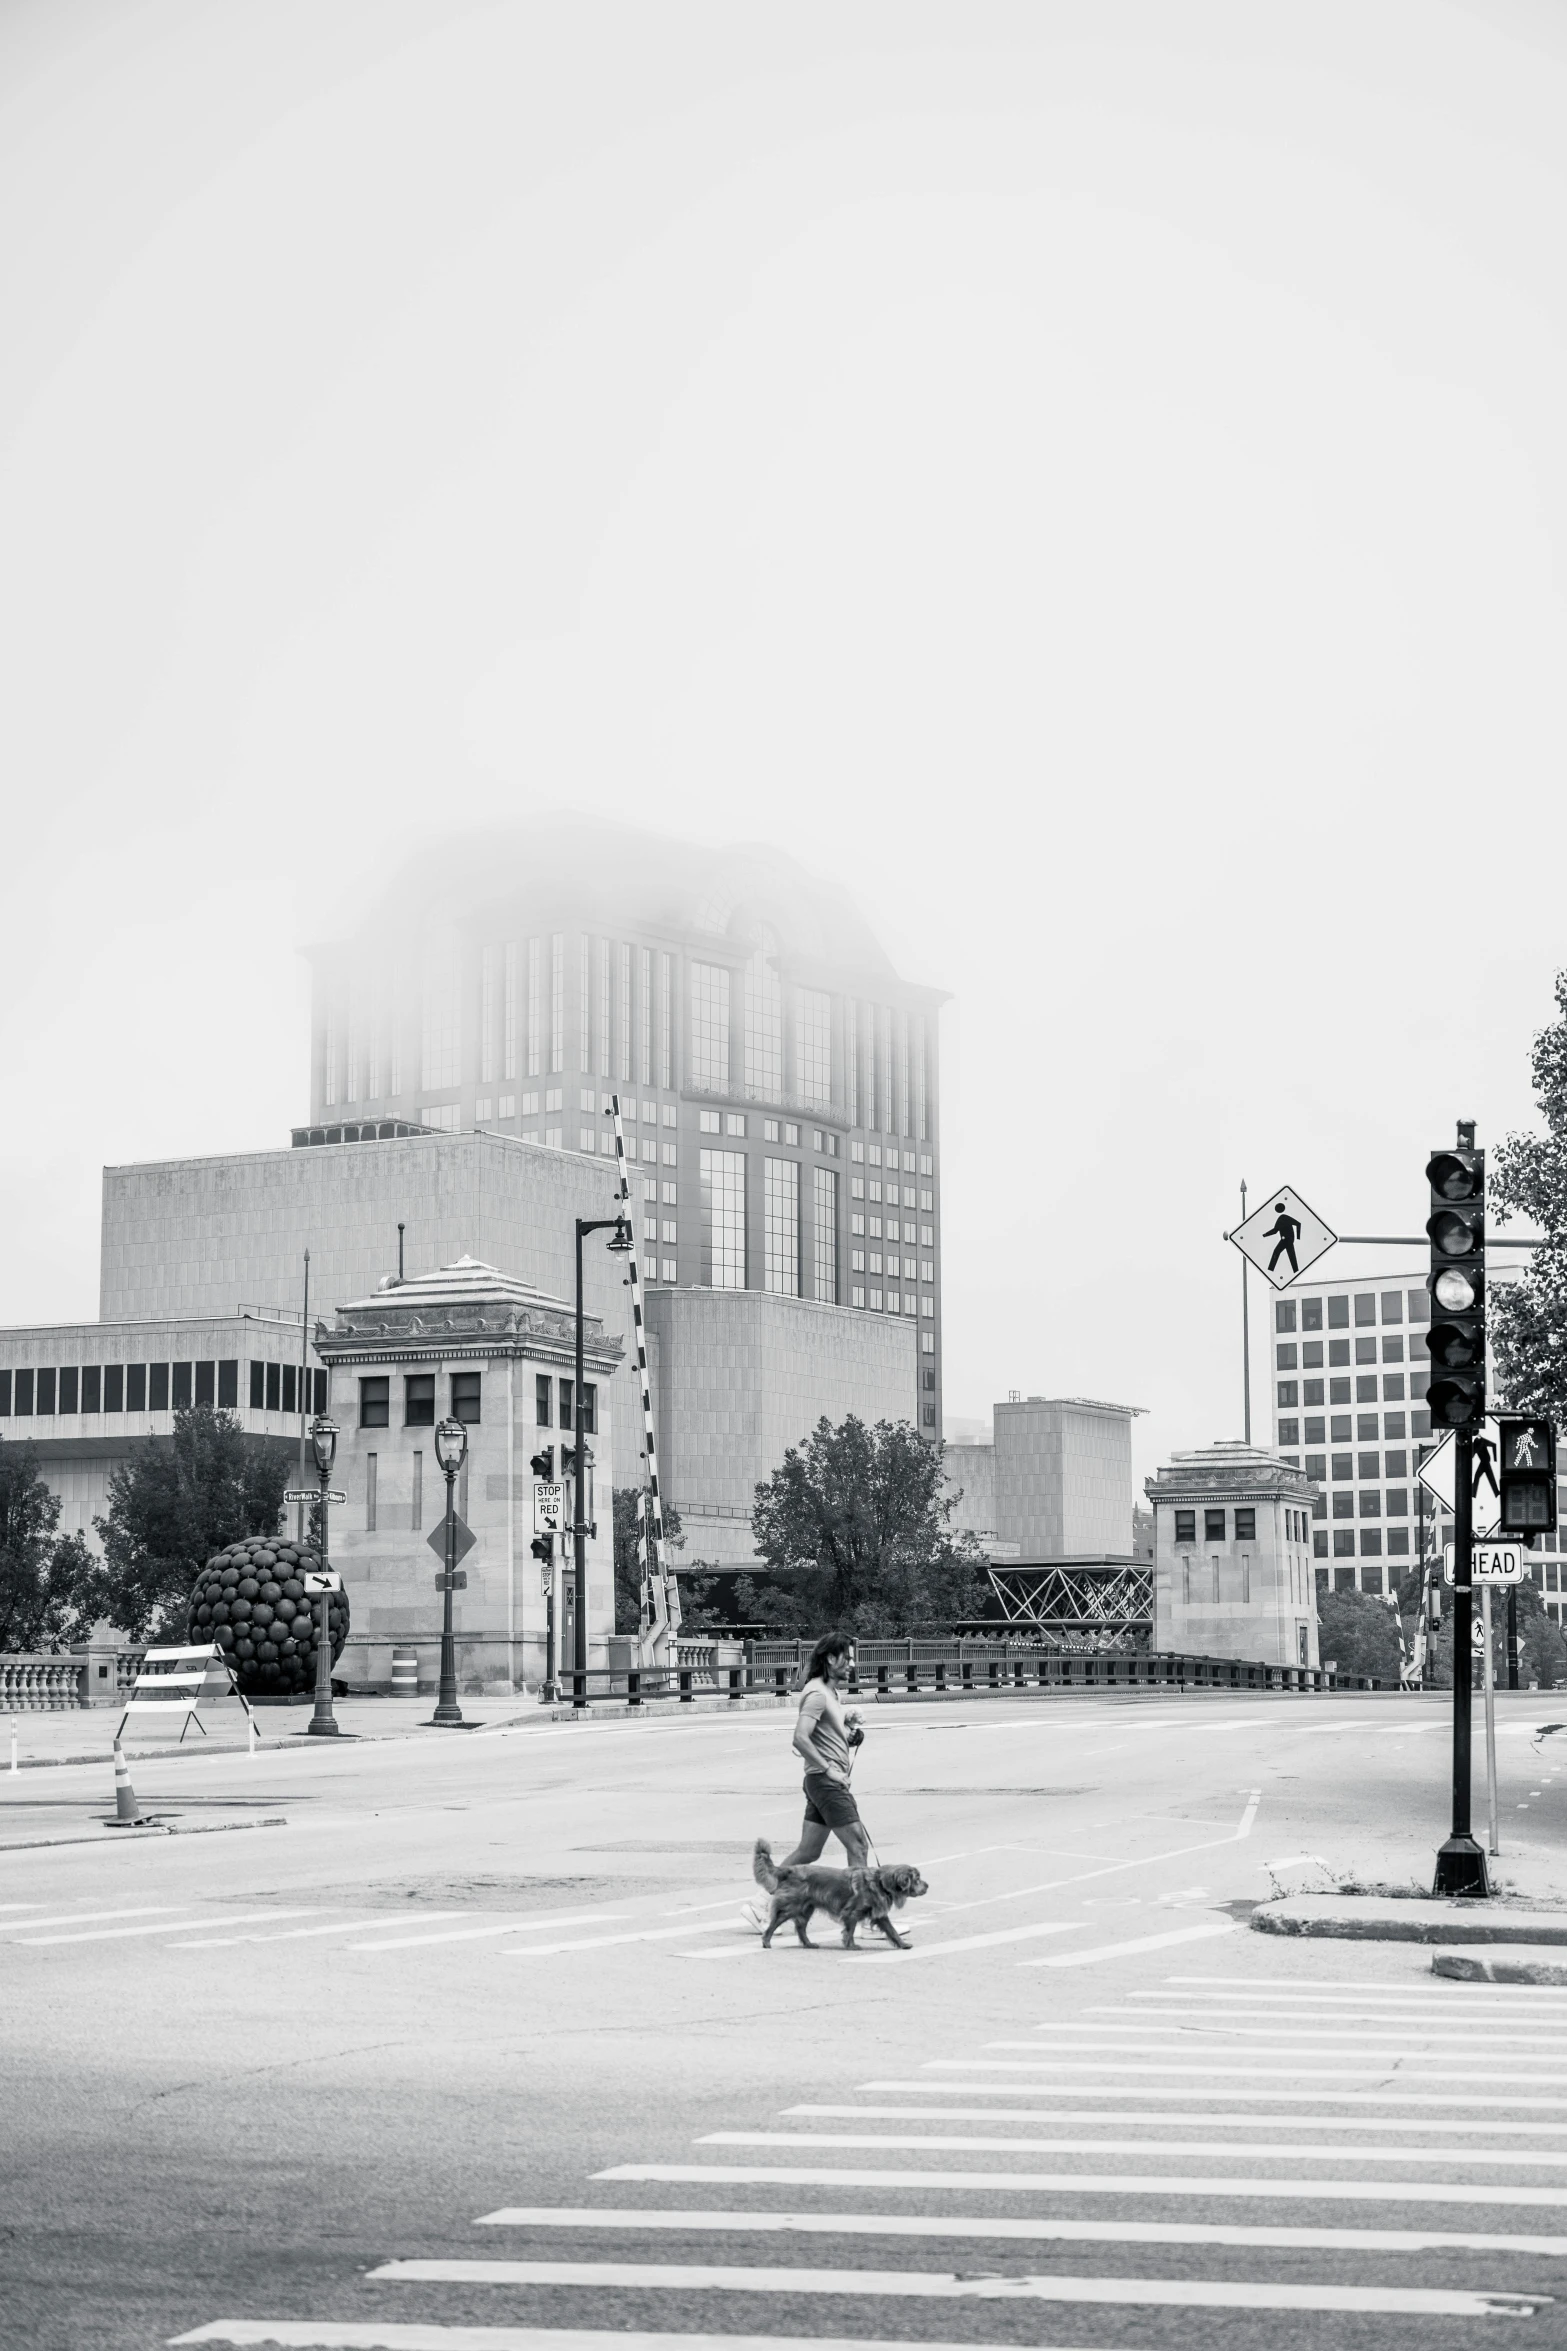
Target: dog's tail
[(762, 1866)]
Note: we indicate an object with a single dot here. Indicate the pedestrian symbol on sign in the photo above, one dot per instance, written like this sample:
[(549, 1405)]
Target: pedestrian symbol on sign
[(1525, 1445), (1283, 1238), (1288, 1229)]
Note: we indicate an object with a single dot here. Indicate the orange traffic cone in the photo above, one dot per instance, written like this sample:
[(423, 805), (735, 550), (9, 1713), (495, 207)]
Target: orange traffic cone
[(126, 1815)]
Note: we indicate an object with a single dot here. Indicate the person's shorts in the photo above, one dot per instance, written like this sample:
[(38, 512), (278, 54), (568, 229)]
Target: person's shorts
[(829, 1803)]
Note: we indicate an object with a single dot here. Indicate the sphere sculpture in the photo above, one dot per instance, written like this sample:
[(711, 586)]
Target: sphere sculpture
[(250, 1600)]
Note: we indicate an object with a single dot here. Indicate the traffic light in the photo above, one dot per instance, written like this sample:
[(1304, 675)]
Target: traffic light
[(543, 1547), (1528, 1474), (543, 1465), (1456, 1227)]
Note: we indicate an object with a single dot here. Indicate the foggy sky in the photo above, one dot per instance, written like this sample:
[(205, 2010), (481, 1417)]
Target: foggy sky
[(1089, 478)]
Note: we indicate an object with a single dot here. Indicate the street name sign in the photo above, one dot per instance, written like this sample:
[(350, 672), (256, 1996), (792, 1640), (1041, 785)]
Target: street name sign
[(321, 1579), (549, 1507), (1283, 1237), (463, 1538), (1494, 1563), (312, 1494)]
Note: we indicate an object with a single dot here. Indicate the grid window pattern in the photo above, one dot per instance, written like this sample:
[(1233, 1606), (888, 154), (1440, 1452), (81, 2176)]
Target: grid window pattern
[(489, 1012), (557, 1002), (710, 1028), (920, 1126), (625, 1014), (645, 1020), (665, 1034), (884, 1056), (851, 1060), (584, 1029), (535, 1006), (903, 1073), (440, 1058), (781, 1272), (813, 1030), (603, 1009), (826, 1200), (763, 1026), (722, 1176), (509, 1012)]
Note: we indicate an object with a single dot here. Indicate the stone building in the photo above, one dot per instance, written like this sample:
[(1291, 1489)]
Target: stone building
[(481, 1347), (1233, 1557)]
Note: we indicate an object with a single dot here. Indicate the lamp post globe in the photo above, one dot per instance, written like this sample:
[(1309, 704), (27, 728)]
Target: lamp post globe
[(451, 1450), (323, 1439)]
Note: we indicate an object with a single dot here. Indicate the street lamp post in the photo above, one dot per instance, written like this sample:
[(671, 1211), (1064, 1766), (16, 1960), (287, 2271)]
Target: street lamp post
[(579, 1529), (451, 1446), (323, 1439)]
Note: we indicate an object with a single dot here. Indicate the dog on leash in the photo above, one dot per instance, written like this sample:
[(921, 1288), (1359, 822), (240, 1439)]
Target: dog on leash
[(854, 1897)]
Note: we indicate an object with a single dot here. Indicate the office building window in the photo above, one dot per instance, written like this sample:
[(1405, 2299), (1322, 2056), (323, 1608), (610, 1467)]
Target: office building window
[(1398, 1542), (1371, 1505), (1366, 1431), (46, 1391), (1419, 1305), (416, 1509), (602, 1008), (1365, 1350), (157, 1387), (782, 1264), (1393, 1387), (1311, 1314), (645, 1020), (1311, 1355), (734, 1124), (927, 1342), (722, 1179), (465, 1397), (1288, 1392), (1398, 1501), (1338, 1353), (1344, 1467), (1186, 1526), (557, 1001), (489, 1013), (710, 1030), (1344, 1505), (825, 1184), (763, 1024), (1371, 1545), (1366, 1308), (1316, 1430), (813, 1046), (1284, 1315), (1289, 1432), (1338, 1314), (1284, 1359), (440, 1057), (1340, 1428), (92, 1388), (1368, 1466), (851, 1067), (1338, 1391), (419, 1400), (670, 1274), (856, 1297), (375, 1403), (1393, 1348), (183, 1384), (1311, 1392), (1319, 1550), (509, 1013), (884, 1056), (623, 1038), (543, 1391), (535, 1013), (1213, 1526), (1245, 1526), (1344, 1543)]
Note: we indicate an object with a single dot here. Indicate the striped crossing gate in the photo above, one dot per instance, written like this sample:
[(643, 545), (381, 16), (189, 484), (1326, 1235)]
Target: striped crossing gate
[(660, 1592)]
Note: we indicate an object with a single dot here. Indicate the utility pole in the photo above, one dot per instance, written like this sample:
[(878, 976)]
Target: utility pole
[(1245, 1323)]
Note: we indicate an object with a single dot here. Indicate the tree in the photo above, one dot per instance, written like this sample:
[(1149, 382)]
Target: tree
[(855, 1524), (695, 1590), (1361, 1633), (50, 1584), (175, 1505), (1528, 1177)]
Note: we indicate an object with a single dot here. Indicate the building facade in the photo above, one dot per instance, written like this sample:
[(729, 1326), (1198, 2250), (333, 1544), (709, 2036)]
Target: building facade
[(1233, 1561), (779, 1082), (1049, 1500), (469, 1342)]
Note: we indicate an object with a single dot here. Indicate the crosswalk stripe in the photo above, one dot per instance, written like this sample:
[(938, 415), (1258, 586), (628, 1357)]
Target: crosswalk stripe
[(1084, 2183), (1192, 1934), (507, 1926), (1386, 2050), (176, 1926), (1097, 2232), (1208, 2071), (72, 1918), (1257, 2150), (1307, 2032), (1213, 1987), (605, 1942), (342, 1926), (1230, 2096), (357, 2334), (1060, 2115), (1188, 2293)]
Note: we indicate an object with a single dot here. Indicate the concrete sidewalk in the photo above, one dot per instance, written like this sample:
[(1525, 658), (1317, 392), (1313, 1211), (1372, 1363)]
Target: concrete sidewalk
[(87, 1735)]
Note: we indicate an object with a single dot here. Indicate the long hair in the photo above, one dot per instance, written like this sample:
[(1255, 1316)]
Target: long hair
[(830, 1645)]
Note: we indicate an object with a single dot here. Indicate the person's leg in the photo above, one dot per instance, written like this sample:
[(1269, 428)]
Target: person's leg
[(853, 1840), (813, 1836)]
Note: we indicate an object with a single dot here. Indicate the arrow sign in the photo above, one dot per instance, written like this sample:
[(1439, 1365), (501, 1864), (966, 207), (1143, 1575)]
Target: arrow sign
[(321, 1579), (463, 1540), (1283, 1237)]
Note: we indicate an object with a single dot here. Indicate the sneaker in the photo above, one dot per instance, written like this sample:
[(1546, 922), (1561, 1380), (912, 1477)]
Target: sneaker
[(754, 1916)]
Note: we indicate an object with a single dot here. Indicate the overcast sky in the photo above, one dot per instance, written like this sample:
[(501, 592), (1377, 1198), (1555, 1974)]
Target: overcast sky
[(1090, 477)]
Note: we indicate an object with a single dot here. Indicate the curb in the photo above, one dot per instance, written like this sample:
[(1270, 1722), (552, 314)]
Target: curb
[(1524, 1963), (1416, 1919), (157, 1828)]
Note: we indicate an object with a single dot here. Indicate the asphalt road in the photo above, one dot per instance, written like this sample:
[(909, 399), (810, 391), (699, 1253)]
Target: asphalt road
[(479, 2041)]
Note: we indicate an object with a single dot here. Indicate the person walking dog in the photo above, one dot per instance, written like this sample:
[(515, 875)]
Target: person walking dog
[(825, 1738)]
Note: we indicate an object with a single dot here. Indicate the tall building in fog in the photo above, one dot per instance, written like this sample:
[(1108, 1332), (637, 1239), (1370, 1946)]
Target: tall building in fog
[(780, 1081)]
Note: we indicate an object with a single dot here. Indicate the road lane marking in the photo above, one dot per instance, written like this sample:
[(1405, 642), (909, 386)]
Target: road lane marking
[(1523, 1995), (1309, 2032), (175, 1926), (686, 2277), (603, 1942), (1202, 2122), (471, 1934), (344, 1926), (1209, 2072), (1086, 2183), (900, 2142), (1192, 1934), (357, 2334), (864, 1955), (1100, 2232), (1230, 2097), (75, 1918)]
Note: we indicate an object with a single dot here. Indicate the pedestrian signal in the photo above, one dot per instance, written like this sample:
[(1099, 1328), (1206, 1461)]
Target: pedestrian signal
[(543, 1547), (543, 1464), (1528, 1499), (1456, 1229)]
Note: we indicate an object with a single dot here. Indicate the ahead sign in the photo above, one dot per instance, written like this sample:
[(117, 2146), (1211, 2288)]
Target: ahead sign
[(1494, 1563), (1283, 1237)]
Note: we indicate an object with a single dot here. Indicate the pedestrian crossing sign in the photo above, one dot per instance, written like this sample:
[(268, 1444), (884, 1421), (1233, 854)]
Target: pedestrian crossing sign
[(1283, 1237)]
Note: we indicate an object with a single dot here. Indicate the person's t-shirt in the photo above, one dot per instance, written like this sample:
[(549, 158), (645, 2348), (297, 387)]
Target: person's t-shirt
[(822, 1716)]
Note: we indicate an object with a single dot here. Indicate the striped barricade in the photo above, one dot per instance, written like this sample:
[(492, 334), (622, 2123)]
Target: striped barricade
[(175, 1681)]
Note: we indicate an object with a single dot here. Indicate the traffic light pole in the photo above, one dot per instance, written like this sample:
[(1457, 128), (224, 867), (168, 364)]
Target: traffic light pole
[(1460, 1862)]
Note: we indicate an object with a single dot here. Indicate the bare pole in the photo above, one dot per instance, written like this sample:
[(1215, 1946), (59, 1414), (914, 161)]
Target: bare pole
[(1246, 1322), (304, 1376)]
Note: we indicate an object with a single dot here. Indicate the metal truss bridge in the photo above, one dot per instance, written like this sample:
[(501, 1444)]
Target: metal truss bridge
[(1072, 1604)]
